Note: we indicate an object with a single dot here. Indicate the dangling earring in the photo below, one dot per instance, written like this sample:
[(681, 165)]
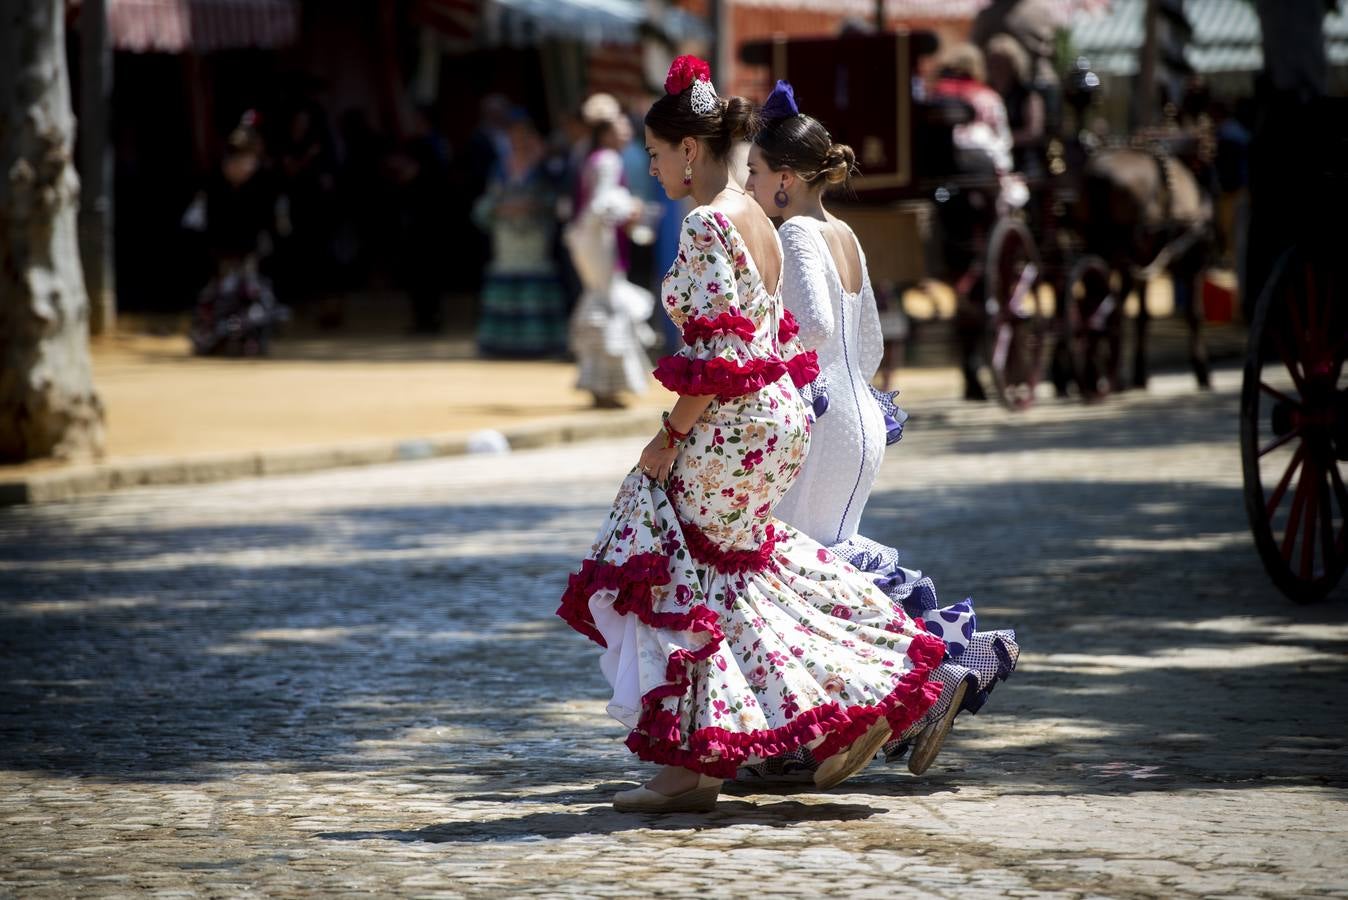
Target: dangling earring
[(780, 198), (687, 174)]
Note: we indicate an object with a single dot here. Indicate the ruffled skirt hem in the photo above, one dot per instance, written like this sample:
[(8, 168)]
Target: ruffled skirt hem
[(819, 679)]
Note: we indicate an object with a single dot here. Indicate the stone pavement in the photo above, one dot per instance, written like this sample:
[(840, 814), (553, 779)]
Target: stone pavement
[(352, 683)]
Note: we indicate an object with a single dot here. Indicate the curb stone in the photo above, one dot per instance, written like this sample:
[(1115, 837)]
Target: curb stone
[(57, 485)]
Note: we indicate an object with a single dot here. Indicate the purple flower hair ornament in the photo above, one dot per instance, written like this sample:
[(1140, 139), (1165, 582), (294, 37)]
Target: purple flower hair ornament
[(781, 103)]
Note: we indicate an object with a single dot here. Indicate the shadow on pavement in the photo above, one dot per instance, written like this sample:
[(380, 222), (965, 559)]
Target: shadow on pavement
[(604, 820), (364, 639)]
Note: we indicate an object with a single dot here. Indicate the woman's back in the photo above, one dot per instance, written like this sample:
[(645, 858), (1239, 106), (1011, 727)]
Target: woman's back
[(843, 327), (845, 253), (759, 236)]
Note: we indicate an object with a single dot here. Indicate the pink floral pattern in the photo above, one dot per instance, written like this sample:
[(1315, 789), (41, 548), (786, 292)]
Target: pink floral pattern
[(751, 640)]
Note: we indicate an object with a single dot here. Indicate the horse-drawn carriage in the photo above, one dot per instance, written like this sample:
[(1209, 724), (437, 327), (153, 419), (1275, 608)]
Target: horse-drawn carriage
[(1097, 221), (1101, 221), (1294, 398)]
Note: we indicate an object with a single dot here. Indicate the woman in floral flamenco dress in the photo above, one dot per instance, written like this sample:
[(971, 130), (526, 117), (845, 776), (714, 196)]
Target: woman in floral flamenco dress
[(729, 636), (826, 287)]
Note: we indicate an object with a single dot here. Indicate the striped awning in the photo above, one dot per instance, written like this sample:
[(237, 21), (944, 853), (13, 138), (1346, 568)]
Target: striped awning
[(912, 9), (456, 21), (1226, 37), (172, 26), (524, 22)]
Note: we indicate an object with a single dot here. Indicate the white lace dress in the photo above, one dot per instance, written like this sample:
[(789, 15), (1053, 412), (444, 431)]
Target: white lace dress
[(848, 441), (609, 329), (847, 445)]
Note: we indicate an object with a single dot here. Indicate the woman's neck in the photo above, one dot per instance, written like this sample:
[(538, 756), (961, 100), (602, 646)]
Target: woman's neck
[(809, 204), (709, 182)]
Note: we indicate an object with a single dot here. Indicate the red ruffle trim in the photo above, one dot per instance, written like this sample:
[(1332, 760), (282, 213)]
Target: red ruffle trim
[(702, 328), (716, 751), (788, 328), (730, 562), (719, 376), (804, 368), (719, 753), (633, 581)]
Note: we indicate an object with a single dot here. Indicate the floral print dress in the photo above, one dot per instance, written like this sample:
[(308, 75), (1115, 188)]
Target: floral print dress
[(730, 637)]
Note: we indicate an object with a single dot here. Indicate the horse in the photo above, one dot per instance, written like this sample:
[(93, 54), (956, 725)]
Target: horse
[(1140, 211)]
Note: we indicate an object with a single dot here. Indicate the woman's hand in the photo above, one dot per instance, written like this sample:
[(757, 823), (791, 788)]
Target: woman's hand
[(657, 460)]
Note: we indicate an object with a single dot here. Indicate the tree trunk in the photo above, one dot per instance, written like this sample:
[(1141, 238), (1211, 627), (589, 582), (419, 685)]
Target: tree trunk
[(96, 212), (48, 406)]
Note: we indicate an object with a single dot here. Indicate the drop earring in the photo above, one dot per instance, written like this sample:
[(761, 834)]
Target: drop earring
[(780, 198), (687, 174)]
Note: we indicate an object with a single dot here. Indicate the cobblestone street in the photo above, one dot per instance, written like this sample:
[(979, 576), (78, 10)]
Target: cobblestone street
[(353, 683)]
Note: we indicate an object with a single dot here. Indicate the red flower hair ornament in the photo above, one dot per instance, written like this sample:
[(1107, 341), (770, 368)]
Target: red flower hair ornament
[(684, 71), (688, 73)]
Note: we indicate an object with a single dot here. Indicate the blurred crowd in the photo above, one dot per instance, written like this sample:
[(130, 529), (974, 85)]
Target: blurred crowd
[(298, 214)]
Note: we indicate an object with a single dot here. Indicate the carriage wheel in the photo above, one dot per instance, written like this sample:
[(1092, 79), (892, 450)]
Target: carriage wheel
[(1294, 426), (1094, 317), (1016, 335)]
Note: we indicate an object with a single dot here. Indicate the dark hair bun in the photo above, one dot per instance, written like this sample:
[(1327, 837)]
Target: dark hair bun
[(803, 145), (738, 121), (838, 165), (672, 119)]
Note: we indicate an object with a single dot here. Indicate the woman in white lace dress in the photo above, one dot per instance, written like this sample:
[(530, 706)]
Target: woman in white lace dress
[(825, 285), (609, 329)]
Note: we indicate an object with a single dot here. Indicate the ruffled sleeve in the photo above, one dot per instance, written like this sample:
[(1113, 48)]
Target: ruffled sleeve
[(720, 356)]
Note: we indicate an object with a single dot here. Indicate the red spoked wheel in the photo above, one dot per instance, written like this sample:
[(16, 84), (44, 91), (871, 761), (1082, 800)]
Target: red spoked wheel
[(1016, 326), (1094, 321), (1294, 425)]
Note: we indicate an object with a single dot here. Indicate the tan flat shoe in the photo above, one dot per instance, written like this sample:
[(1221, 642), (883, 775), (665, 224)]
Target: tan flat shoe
[(701, 798), (929, 740), (845, 763)]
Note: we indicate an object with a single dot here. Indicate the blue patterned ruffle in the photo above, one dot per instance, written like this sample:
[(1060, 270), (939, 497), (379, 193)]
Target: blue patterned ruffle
[(894, 417), (982, 658), (815, 395)]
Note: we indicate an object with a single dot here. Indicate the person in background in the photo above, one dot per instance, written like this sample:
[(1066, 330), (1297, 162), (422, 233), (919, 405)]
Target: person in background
[(523, 311), (986, 140), (359, 237), (568, 146), (1009, 74), (486, 151), (609, 330), (982, 149), (236, 313), (306, 166), (641, 236), (417, 175)]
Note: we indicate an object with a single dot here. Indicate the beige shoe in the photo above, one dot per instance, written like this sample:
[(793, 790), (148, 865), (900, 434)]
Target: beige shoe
[(929, 740), (845, 763), (701, 798)]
